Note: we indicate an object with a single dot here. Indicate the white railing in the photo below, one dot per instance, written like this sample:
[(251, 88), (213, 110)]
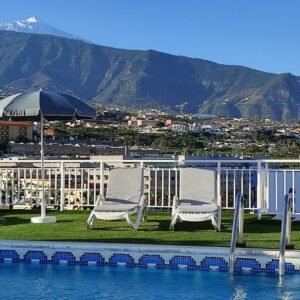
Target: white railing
[(75, 184)]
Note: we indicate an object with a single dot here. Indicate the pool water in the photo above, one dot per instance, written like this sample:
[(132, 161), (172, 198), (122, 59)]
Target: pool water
[(25, 281)]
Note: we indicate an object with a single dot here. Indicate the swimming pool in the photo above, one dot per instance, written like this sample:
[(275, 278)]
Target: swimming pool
[(68, 270), (34, 281)]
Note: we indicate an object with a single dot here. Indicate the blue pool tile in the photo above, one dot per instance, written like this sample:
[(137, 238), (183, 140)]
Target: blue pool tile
[(148, 260), (11, 255), (94, 258), (35, 256), (187, 262), (219, 263), (273, 266), (59, 257), (121, 259), (210, 263), (247, 265)]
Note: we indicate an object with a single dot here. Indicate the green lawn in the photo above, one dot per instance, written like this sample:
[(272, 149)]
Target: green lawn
[(71, 227)]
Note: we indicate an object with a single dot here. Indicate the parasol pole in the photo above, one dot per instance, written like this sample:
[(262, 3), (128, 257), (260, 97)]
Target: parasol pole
[(43, 204), (43, 218)]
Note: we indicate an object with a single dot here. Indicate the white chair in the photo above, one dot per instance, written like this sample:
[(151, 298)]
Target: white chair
[(124, 197), (197, 199)]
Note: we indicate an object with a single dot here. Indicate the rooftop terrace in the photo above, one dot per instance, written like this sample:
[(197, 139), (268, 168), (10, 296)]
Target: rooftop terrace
[(262, 182)]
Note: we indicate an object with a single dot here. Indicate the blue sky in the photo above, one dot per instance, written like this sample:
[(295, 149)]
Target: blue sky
[(262, 34)]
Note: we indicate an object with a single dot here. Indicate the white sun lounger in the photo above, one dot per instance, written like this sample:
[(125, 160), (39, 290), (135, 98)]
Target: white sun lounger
[(197, 199), (124, 197)]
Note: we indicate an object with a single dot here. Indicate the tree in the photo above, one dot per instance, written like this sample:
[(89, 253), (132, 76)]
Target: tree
[(160, 124)]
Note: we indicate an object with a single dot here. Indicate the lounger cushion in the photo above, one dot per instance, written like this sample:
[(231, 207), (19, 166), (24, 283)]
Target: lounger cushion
[(127, 184), (198, 184), (192, 206), (116, 205)]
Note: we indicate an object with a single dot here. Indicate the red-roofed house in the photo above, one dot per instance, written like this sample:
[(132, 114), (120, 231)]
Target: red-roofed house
[(49, 132)]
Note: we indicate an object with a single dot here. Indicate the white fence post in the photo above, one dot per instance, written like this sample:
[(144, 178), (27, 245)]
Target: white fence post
[(62, 186), (259, 190), (101, 178), (219, 199), (266, 188)]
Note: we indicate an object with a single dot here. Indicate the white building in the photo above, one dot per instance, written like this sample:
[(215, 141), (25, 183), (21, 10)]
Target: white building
[(179, 128)]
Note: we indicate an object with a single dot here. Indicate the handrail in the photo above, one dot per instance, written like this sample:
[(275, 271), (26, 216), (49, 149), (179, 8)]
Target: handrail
[(110, 159), (237, 229), (285, 238)]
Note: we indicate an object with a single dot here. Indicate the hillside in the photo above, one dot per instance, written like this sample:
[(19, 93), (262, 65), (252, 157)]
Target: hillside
[(143, 78)]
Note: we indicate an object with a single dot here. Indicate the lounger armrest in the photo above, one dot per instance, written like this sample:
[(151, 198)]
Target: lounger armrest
[(100, 200), (175, 202), (143, 201)]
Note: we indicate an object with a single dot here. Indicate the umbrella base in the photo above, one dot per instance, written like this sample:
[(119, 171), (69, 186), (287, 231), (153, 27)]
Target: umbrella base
[(49, 219)]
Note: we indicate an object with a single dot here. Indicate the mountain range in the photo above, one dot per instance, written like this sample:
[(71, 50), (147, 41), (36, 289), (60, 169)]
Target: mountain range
[(135, 78)]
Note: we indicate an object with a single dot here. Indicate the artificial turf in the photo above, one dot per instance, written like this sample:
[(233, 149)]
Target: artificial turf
[(264, 233)]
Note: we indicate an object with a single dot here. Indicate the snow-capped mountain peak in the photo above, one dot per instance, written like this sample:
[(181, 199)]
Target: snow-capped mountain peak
[(35, 25), (33, 19)]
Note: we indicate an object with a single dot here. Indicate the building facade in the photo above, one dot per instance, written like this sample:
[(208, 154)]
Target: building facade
[(13, 131)]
